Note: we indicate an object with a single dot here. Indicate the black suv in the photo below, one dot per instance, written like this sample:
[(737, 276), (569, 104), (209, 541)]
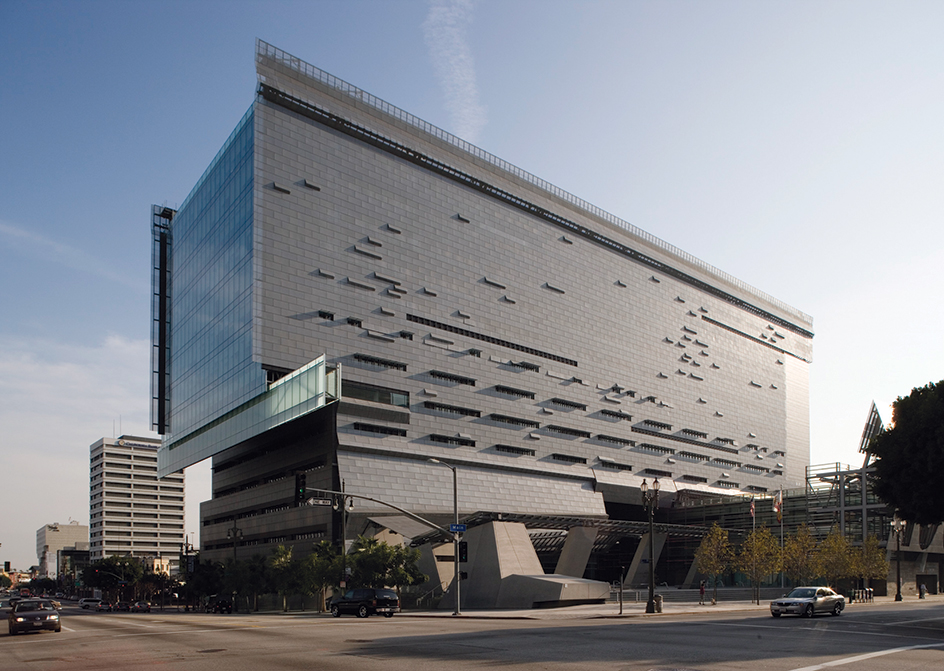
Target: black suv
[(366, 601), (217, 604)]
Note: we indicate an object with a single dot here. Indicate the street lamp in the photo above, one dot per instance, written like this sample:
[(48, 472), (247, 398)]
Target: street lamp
[(455, 534), (650, 498), (185, 549), (898, 526), (234, 533)]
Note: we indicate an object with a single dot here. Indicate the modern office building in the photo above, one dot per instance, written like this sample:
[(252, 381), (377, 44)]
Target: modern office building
[(131, 511), (51, 538), (553, 354)]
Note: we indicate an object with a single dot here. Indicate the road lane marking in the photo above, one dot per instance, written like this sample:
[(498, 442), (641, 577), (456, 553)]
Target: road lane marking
[(869, 655)]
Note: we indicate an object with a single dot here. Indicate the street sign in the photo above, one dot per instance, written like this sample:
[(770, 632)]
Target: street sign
[(319, 502), (457, 528)]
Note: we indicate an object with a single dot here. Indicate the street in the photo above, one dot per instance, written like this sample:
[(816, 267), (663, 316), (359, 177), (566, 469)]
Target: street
[(866, 637)]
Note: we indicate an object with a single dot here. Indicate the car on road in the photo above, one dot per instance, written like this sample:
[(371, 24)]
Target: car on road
[(141, 607), (366, 601), (217, 604), (89, 604), (105, 606), (33, 615), (123, 607), (807, 601)]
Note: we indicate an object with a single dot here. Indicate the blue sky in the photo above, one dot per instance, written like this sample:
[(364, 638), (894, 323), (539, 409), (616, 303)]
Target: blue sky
[(795, 145)]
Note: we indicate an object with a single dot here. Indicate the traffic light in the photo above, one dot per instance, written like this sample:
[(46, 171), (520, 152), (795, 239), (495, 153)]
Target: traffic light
[(463, 551), (300, 488)]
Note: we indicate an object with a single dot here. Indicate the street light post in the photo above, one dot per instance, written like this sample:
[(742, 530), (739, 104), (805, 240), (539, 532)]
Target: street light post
[(234, 533), (650, 498), (455, 534), (898, 525), (185, 549)]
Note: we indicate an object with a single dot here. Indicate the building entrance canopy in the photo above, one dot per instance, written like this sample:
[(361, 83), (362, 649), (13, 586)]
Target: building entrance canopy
[(547, 531)]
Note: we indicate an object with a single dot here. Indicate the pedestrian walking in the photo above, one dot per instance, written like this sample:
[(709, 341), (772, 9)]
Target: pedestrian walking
[(701, 593)]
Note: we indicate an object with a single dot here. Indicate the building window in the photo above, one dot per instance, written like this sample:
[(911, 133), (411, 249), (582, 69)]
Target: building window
[(567, 431), (568, 458), (606, 463), (454, 409), (452, 377), (512, 391), (369, 392), (657, 425), (377, 361), (564, 403), (615, 439), (517, 421), (511, 449), (616, 414), (376, 428), (452, 440)]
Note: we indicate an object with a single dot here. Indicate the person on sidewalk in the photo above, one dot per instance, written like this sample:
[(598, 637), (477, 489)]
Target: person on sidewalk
[(701, 593)]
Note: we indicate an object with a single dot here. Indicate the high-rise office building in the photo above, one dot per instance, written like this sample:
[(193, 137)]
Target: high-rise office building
[(553, 354), (50, 538), (131, 511)]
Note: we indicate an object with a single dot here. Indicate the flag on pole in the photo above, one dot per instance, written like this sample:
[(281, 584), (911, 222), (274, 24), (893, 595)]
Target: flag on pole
[(778, 505), (752, 506)]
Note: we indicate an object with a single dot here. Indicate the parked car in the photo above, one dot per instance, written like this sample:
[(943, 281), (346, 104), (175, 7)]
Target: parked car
[(33, 615), (366, 601), (807, 601), (106, 606), (141, 607), (89, 604)]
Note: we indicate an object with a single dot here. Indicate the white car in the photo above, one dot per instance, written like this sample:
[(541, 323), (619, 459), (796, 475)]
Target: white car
[(807, 601), (89, 603)]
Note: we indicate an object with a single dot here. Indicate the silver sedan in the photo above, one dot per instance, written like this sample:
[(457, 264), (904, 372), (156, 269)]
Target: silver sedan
[(807, 601)]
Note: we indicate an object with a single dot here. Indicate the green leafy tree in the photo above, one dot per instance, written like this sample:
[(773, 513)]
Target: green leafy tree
[(800, 559), (869, 562), (370, 561), (759, 557), (5, 581), (43, 585), (257, 578), (206, 579), (835, 557), (404, 570), (284, 573), (714, 555), (909, 455), (319, 571)]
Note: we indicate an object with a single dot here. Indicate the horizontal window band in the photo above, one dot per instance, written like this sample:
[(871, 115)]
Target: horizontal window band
[(451, 377), (511, 449), (375, 428), (451, 440), (495, 341), (455, 409), (517, 421), (683, 439), (512, 391), (377, 361)]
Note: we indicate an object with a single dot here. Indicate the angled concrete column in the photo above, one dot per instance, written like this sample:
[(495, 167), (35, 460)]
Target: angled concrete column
[(638, 573), (576, 552)]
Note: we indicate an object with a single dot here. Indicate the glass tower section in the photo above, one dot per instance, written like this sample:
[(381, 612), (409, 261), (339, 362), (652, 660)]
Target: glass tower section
[(210, 346)]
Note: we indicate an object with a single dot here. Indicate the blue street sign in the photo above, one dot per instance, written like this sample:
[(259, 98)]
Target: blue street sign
[(457, 528)]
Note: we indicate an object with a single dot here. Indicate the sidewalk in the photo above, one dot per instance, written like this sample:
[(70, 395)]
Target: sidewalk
[(638, 609)]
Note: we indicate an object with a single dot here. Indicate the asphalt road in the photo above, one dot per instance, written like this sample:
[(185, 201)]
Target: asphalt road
[(879, 637)]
